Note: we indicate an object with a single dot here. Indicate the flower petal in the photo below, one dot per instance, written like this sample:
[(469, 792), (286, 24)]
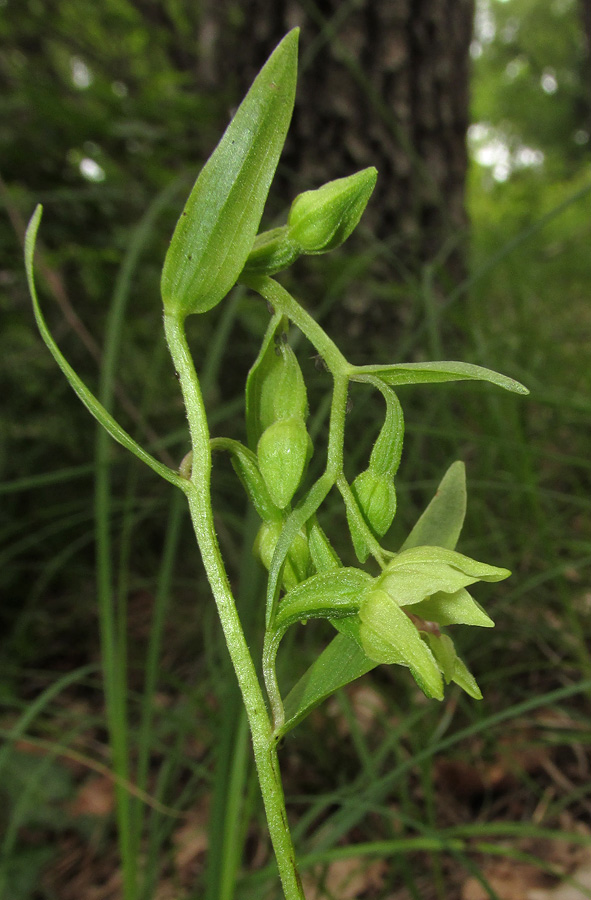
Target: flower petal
[(427, 554), (442, 648), (419, 572), (388, 635), (458, 608)]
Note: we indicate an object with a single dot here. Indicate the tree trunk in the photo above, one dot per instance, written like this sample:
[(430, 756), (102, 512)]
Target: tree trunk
[(382, 82), (585, 8)]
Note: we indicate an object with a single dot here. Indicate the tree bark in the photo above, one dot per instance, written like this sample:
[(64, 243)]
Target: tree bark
[(382, 82), (585, 11)]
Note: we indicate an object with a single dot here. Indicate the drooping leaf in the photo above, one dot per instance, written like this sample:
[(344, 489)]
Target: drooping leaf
[(441, 522), (376, 498), (87, 397), (387, 450), (217, 228), (433, 372)]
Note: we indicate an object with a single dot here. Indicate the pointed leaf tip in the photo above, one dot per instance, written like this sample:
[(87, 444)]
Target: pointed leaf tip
[(438, 372), (216, 231), (31, 239)]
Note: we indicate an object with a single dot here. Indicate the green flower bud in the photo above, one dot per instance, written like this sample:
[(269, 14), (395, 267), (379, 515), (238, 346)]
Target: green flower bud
[(283, 390), (283, 452), (272, 251), (297, 562), (376, 498), (323, 219)]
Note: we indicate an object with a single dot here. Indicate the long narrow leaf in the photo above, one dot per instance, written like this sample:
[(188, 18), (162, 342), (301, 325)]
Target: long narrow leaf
[(90, 401), (432, 372)]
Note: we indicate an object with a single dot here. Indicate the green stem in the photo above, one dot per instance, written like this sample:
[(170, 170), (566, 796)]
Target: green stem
[(282, 302), (295, 521), (197, 491), (270, 647), (314, 497)]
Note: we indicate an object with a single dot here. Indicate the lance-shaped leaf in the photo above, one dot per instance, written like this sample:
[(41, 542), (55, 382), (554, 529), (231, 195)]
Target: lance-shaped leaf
[(324, 556), (432, 372), (217, 228), (441, 522), (342, 662), (87, 397)]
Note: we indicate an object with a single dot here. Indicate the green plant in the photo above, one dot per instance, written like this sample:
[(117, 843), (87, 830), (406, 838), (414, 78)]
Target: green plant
[(395, 615)]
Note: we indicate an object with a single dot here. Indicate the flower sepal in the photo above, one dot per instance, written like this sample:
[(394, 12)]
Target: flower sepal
[(388, 636)]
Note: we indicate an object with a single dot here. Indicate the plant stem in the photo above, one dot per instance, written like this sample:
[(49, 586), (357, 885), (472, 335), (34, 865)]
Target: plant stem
[(282, 302), (198, 495)]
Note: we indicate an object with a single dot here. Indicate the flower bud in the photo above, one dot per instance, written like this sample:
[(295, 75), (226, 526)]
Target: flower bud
[(376, 497), (283, 390), (323, 219), (298, 557), (271, 252), (283, 452)]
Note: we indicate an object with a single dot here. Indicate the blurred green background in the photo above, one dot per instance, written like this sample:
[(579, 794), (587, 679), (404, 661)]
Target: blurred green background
[(476, 246)]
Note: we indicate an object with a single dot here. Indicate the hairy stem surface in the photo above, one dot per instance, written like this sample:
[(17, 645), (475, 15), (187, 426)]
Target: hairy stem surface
[(197, 491)]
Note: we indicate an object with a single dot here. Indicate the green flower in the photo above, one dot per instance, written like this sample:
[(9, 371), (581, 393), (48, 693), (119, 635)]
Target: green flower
[(422, 590)]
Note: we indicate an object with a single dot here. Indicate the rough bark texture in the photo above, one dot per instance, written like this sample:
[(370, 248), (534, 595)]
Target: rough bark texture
[(382, 82), (585, 8)]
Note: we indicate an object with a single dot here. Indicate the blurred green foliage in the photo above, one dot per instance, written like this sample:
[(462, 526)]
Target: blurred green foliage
[(99, 111)]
